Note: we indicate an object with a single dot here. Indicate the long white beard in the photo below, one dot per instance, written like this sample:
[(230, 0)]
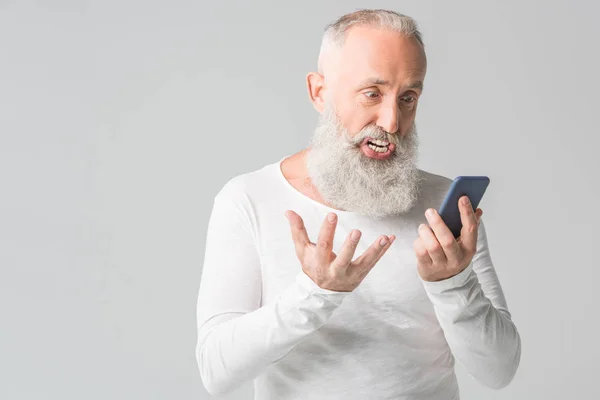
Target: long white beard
[(349, 180)]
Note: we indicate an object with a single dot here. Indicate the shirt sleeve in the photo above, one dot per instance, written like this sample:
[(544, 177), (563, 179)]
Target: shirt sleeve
[(237, 338), (472, 310)]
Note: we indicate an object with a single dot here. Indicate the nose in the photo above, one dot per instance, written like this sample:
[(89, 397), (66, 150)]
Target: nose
[(388, 118)]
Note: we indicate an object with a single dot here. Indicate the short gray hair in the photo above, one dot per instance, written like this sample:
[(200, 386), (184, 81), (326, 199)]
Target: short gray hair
[(335, 33)]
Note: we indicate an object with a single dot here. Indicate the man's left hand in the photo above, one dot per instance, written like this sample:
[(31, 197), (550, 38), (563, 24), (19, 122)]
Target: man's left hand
[(439, 255)]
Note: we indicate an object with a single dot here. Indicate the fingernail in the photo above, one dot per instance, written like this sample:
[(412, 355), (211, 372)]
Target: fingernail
[(431, 212), (383, 241), (331, 217), (465, 200), (354, 235)]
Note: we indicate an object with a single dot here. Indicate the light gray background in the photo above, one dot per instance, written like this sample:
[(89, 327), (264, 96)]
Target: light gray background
[(120, 120)]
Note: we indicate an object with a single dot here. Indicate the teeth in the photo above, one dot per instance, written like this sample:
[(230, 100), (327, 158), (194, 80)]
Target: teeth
[(378, 149), (380, 142)]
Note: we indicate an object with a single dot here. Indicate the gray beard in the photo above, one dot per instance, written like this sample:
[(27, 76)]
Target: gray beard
[(350, 181)]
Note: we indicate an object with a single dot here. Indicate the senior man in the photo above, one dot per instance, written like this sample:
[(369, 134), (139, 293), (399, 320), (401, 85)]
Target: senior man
[(371, 297)]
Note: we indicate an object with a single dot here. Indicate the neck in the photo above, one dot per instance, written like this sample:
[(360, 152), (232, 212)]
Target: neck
[(295, 171)]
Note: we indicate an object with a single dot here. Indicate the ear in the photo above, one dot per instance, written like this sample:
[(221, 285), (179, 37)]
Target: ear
[(315, 84)]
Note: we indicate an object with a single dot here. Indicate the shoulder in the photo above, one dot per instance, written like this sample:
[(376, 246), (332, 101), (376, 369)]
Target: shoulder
[(249, 185), (433, 187), (431, 179)]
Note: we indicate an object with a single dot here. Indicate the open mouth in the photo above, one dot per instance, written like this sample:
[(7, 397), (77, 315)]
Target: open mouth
[(377, 148), (378, 145)]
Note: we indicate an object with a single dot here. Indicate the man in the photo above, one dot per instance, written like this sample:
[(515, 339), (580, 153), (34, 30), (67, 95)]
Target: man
[(372, 297)]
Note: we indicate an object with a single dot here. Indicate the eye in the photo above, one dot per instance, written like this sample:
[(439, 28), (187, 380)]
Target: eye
[(409, 99), (371, 95)]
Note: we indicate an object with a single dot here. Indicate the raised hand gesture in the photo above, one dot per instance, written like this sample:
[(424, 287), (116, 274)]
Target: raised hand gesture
[(330, 271)]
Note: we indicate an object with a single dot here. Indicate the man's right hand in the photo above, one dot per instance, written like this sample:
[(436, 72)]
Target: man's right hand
[(328, 270)]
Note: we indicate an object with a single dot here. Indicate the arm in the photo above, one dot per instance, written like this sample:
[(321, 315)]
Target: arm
[(473, 313), (237, 338)]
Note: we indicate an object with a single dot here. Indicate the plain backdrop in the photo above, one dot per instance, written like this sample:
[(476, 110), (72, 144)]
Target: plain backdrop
[(120, 120)]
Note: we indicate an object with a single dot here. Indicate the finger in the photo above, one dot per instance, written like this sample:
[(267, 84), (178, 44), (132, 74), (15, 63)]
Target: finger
[(325, 239), (367, 259), (385, 248), (468, 218), (470, 243), (443, 234), (346, 254), (434, 248), (299, 234), (421, 252), (365, 269)]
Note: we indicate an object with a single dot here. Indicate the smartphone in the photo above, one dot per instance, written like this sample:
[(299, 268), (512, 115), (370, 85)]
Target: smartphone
[(472, 186)]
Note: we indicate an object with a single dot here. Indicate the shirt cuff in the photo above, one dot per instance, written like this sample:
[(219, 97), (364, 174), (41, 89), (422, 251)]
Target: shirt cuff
[(453, 282)]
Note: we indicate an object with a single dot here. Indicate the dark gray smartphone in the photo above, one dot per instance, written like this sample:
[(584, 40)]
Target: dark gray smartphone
[(472, 186)]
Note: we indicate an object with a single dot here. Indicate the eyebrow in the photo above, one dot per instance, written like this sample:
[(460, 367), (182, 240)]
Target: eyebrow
[(383, 82)]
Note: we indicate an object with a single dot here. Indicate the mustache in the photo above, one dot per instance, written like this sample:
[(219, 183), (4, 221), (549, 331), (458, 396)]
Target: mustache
[(374, 132)]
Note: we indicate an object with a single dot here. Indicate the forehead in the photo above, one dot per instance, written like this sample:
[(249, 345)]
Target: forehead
[(391, 56)]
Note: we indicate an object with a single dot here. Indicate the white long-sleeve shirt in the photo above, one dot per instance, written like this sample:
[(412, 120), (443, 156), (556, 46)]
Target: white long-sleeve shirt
[(261, 318)]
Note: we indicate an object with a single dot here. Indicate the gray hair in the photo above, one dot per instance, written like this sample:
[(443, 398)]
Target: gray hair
[(335, 33)]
